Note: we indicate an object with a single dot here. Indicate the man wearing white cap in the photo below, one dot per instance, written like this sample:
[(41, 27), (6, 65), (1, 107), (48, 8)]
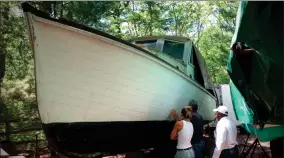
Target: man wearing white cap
[(226, 135)]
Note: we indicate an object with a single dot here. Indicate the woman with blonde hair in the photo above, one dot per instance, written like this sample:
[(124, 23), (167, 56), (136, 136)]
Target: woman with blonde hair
[(182, 132)]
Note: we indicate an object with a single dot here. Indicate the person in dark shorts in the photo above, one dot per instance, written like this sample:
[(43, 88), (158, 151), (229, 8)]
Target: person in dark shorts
[(198, 143)]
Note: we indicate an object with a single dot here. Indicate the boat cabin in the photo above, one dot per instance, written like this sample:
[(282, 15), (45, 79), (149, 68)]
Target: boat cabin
[(180, 53)]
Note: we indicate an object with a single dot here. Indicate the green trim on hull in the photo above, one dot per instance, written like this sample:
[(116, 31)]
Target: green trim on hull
[(245, 116)]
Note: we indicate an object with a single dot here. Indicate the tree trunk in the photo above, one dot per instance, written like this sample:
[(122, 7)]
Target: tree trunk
[(176, 20), (61, 9), (4, 16), (2, 65), (151, 18), (4, 12), (116, 16), (54, 9)]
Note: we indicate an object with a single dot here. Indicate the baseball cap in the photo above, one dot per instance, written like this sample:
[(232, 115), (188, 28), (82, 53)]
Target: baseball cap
[(222, 109)]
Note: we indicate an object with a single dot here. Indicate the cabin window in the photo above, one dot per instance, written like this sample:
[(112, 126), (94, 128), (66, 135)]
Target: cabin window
[(173, 49), (198, 73), (191, 55), (148, 43)]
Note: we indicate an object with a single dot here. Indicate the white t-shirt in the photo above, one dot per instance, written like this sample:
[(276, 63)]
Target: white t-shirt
[(225, 136)]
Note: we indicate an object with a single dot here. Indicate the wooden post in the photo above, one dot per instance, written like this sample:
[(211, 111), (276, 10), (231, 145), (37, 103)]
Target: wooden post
[(36, 147), (7, 130)]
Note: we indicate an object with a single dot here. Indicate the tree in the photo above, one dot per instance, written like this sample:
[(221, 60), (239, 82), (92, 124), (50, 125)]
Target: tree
[(216, 39), (185, 18), (211, 46), (143, 19)]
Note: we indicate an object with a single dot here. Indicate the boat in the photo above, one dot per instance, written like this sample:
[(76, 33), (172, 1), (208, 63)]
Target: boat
[(99, 93), (223, 92), (256, 72)]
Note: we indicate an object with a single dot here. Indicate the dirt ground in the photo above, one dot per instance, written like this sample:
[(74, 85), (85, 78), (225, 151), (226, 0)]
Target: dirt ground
[(258, 153), (210, 145)]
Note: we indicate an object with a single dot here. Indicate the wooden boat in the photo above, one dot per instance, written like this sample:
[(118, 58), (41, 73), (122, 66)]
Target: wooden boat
[(97, 93), (223, 92)]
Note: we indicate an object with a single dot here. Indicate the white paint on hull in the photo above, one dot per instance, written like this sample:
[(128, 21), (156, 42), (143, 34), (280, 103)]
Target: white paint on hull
[(226, 100), (85, 79)]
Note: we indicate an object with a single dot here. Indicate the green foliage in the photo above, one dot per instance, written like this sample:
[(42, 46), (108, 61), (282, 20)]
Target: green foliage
[(88, 13), (184, 17), (215, 53), (215, 41), (210, 24), (142, 18), (17, 91)]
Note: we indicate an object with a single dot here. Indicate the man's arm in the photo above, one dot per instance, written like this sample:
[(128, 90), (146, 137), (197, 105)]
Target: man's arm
[(221, 134), (210, 124)]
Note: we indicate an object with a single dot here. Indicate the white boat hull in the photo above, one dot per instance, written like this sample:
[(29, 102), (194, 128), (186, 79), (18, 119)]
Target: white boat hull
[(86, 79), (94, 92)]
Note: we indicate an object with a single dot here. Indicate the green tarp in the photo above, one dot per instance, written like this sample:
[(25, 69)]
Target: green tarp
[(257, 99)]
